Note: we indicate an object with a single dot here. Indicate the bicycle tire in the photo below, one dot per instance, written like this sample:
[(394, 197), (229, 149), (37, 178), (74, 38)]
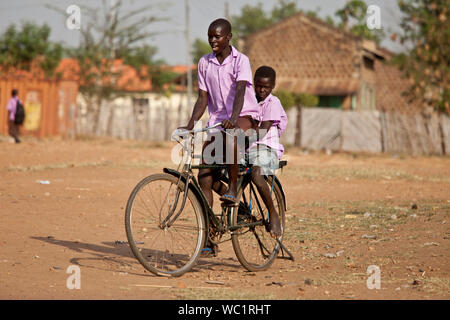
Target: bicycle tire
[(247, 241), (170, 251)]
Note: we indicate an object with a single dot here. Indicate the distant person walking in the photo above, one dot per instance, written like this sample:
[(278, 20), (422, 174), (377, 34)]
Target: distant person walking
[(16, 115)]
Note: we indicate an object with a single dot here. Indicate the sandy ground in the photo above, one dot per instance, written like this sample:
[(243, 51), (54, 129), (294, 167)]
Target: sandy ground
[(346, 212)]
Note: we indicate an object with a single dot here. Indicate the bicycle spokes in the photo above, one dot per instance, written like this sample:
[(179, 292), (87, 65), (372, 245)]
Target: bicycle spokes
[(171, 248)]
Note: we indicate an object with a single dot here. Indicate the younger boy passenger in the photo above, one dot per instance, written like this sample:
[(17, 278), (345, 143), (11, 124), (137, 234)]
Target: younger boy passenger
[(265, 153)]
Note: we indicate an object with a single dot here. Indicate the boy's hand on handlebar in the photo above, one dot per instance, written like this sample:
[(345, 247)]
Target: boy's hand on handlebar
[(227, 124), (188, 127)]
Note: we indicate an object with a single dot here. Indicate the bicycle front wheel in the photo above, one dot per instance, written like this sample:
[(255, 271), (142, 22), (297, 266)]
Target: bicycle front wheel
[(255, 249), (164, 249)]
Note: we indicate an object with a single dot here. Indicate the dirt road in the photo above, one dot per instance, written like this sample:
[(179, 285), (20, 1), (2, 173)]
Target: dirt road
[(62, 204)]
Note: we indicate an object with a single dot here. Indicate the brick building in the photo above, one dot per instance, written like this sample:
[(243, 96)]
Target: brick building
[(345, 71)]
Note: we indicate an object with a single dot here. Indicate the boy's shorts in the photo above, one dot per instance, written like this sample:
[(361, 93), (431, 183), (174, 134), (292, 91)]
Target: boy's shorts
[(264, 157)]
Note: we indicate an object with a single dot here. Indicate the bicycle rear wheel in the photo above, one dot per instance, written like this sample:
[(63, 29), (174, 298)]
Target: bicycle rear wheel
[(170, 250), (255, 249)]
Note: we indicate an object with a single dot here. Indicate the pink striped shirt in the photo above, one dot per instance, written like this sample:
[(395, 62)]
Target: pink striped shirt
[(272, 110), (219, 80), (11, 107)]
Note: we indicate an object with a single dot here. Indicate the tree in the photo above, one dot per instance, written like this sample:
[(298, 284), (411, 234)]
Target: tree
[(287, 99), (109, 35), (251, 19), (254, 18), (283, 10), (426, 30), (199, 49), (29, 46), (356, 10), (142, 60)]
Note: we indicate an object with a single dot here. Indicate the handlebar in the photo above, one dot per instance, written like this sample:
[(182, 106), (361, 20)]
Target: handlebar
[(182, 132)]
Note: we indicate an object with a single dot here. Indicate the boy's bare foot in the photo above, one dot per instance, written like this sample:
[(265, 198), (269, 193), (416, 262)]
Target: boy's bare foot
[(275, 227)]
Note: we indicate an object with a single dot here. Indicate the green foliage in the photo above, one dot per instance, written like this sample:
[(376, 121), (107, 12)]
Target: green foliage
[(329, 20), (160, 77), (199, 49), (113, 36), (142, 60), (287, 99), (312, 14), (251, 19), (356, 10), (137, 57), (254, 18), (52, 56), (284, 10), (426, 30), (19, 49), (306, 100)]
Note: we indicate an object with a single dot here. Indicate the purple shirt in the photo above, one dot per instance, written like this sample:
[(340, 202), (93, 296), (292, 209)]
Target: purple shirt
[(11, 107), (219, 80), (272, 110)]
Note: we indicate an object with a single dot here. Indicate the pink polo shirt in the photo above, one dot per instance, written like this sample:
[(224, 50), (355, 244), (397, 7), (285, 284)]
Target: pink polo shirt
[(219, 80), (272, 110), (11, 107)]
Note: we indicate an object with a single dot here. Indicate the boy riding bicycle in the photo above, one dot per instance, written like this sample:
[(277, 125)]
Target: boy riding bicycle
[(225, 86)]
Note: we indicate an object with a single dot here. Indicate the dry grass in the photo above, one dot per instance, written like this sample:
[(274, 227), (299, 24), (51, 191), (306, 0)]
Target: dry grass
[(220, 294)]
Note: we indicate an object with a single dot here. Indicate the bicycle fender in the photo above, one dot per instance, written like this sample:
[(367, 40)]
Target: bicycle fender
[(192, 186), (196, 192)]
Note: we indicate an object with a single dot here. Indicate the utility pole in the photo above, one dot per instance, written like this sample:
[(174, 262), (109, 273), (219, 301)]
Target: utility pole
[(112, 20), (346, 15), (112, 17), (227, 10), (188, 55)]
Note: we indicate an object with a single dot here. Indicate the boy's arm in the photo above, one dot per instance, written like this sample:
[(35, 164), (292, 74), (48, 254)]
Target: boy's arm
[(237, 105), (264, 127), (199, 108)]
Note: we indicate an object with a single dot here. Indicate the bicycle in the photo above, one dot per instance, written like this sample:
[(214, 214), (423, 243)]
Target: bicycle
[(168, 241)]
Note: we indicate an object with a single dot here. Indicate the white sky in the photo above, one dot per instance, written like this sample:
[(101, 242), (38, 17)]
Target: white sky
[(171, 42)]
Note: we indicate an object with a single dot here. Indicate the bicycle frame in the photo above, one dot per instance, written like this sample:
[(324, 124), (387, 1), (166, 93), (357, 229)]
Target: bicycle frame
[(191, 182), (195, 187), (242, 223)]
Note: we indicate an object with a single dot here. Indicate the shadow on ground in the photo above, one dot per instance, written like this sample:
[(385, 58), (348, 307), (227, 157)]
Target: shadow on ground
[(112, 253)]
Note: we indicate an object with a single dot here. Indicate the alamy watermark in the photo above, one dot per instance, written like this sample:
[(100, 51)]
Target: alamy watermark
[(218, 146), (73, 21), (374, 280), (373, 20), (74, 280)]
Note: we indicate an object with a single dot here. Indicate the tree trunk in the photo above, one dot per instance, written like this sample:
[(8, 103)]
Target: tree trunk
[(298, 129)]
